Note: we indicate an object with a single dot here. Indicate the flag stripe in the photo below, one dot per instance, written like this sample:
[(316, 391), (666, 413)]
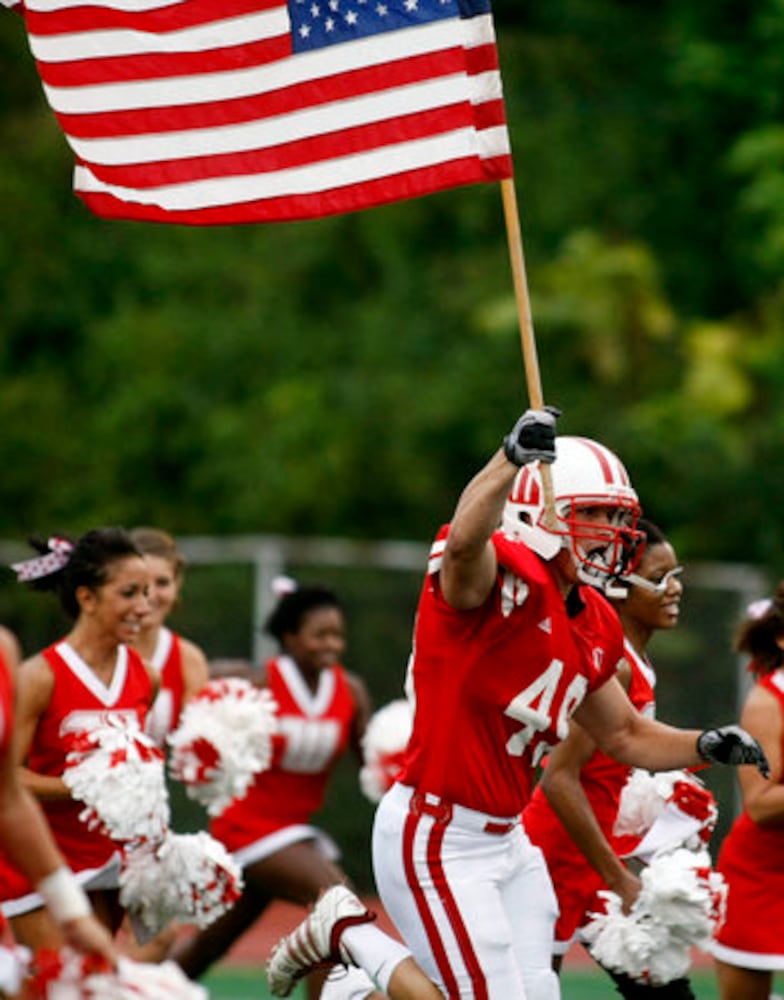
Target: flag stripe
[(347, 142), (174, 108), (371, 164), (294, 206), (104, 72), (53, 6), (309, 94), (111, 43), (374, 107), (203, 76), (152, 16)]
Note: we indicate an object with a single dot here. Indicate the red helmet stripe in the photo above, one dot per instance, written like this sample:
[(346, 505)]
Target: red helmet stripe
[(614, 471), (526, 490)]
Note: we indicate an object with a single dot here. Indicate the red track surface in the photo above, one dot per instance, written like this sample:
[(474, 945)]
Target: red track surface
[(255, 946)]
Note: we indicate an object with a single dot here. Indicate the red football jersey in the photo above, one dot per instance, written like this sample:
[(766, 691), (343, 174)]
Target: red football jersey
[(493, 687), (314, 730), (80, 702)]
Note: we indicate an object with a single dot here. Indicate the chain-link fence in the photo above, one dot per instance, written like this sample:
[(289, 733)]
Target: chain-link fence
[(228, 593)]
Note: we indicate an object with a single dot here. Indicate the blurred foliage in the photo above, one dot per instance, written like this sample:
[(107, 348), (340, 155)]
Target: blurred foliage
[(346, 376)]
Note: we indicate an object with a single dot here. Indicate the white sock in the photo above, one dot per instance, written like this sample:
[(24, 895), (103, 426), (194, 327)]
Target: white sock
[(347, 983), (374, 951)]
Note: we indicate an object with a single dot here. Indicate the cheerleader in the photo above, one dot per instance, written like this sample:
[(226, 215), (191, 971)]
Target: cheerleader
[(90, 677), (323, 711), (573, 810), (28, 843), (181, 664), (749, 947)]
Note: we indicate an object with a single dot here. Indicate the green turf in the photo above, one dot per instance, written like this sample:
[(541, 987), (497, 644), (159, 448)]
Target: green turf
[(238, 983), (590, 985), (226, 982)]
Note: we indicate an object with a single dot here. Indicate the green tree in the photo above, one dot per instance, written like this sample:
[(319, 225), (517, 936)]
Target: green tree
[(346, 375)]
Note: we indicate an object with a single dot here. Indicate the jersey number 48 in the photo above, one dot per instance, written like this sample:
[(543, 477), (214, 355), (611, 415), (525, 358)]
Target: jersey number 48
[(533, 707)]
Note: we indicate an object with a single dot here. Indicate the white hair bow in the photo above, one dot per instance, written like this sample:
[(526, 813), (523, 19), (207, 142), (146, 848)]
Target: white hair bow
[(60, 551)]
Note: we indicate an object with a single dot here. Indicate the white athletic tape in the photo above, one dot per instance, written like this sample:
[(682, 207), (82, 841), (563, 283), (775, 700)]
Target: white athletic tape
[(64, 897)]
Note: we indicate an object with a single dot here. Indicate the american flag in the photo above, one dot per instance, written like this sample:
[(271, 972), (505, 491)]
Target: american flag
[(229, 111)]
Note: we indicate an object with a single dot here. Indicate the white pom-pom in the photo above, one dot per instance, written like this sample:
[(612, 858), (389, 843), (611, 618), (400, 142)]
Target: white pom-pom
[(687, 820), (118, 772), (691, 798), (642, 799), (668, 810), (68, 976), (187, 877), (680, 905), (620, 942), (383, 747), (14, 967), (223, 740)]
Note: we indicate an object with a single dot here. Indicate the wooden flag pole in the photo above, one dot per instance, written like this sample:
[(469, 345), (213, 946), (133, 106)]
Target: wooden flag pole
[(525, 321), (517, 257)]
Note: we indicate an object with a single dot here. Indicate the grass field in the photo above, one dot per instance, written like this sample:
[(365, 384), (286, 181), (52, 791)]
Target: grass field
[(228, 982), (241, 975)]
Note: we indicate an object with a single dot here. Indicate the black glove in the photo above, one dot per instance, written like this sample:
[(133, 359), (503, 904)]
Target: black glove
[(732, 745), (532, 437)]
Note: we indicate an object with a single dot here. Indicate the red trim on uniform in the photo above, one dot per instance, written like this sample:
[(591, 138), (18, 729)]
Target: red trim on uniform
[(443, 813), (499, 828), (425, 915), (453, 914)]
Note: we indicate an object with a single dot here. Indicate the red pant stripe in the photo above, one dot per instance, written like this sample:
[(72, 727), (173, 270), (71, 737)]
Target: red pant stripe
[(457, 925)]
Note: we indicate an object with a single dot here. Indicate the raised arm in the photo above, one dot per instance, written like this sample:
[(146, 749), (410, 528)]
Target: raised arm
[(469, 566)]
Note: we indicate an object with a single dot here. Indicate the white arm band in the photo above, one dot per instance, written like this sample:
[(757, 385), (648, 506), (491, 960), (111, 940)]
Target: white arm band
[(64, 897)]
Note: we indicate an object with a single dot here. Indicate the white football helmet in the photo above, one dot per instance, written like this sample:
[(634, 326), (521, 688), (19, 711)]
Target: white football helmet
[(585, 474)]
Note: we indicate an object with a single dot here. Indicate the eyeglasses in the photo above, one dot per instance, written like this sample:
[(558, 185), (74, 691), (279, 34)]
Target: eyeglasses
[(649, 585)]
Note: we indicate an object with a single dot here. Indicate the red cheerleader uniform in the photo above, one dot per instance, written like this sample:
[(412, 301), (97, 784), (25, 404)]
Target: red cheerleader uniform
[(80, 702), (314, 730), (751, 860), (167, 707)]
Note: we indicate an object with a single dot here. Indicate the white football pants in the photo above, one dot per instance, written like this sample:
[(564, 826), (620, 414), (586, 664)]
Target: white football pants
[(470, 895)]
